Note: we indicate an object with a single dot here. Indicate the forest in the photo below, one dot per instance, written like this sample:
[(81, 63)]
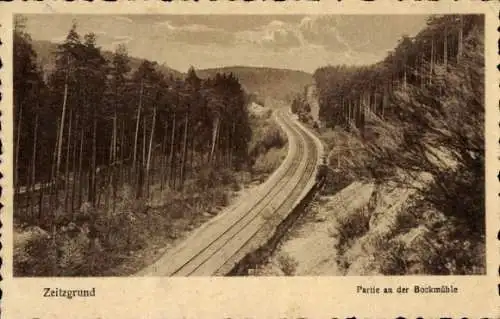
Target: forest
[(94, 132), (114, 156), (418, 117)]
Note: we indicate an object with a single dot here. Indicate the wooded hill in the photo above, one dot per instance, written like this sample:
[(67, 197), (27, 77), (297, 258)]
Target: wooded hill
[(279, 84), (350, 94), (95, 123), (421, 111)]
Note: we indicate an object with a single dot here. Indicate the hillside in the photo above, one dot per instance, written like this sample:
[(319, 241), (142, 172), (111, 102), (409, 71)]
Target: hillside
[(45, 51), (280, 84), (406, 136)]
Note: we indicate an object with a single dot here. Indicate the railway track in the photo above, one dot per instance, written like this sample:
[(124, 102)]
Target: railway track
[(217, 246), (289, 201)]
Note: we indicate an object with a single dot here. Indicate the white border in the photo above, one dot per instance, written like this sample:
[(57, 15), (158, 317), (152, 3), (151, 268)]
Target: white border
[(250, 297)]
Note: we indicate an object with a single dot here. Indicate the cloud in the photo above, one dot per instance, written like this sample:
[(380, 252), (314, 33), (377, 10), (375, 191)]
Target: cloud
[(123, 19), (370, 33), (120, 39), (167, 24), (277, 35), (281, 39), (58, 39), (193, 33), (355, 37), (277, 24), (323, 31), (199, 28)]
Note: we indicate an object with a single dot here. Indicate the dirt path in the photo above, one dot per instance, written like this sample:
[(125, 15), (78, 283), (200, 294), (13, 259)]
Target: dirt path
[(309, 248)]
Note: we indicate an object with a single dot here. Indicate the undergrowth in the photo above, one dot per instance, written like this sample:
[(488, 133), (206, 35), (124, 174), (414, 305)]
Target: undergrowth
[(268, 146), (106, 242)]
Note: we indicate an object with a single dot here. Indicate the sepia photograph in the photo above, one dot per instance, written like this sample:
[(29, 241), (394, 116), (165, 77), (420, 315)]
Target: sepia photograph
[(160, 145)]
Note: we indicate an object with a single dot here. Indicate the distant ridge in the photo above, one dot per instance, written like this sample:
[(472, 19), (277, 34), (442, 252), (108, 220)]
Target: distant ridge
[(274, 83), (45, 51), (280, 84)]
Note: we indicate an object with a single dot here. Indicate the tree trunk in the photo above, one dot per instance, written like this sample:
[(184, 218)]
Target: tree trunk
[(122, 152), (148, 164), (66, 169), (184, 149), (404, 79), (109, 177), (422, 71), (144, 141), (61, 131), (445, 59), (349, 112), (215, 133), (231, 145), (33, 164), (431, 68), (115, 138), (460, 38), (92, 190), (73, 164), (163, 156), (217, 145), (18, 140), (137, 123), (191, 154), (52, 185), (171, 155), (80, 162), (40, 200), (142, 167), (384, 101)]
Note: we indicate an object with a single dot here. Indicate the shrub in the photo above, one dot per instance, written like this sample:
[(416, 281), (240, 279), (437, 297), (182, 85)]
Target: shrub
[(392, 258), (268, 162), (452, 256), (212, 177), (351, 227), (287, 264), (335, 181), (265, 138), (405, 220), (34, 253)]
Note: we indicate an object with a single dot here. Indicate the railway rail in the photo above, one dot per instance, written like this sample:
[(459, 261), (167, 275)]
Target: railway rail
[(223, 241)]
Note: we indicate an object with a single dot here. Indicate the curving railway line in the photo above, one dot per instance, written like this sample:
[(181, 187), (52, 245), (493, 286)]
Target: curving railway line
[(219, 244)]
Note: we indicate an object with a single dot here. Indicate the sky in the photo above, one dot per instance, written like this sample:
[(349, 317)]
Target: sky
[(296, 42)]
